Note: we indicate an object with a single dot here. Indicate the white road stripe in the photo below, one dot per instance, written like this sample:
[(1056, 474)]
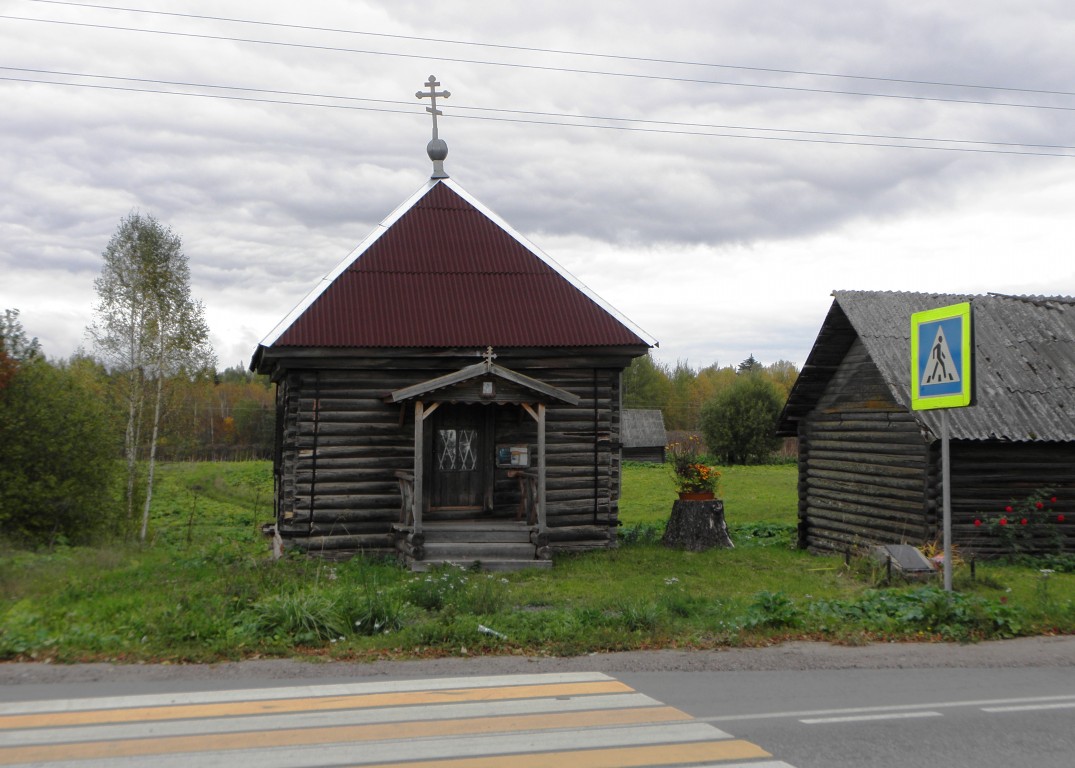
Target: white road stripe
[(295, 692), (420, 749), (1030, 707), (864, 718), (889, 708), (107, 732)]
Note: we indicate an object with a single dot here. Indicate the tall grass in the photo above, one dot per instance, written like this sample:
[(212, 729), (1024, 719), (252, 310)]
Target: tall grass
[(206, 589)]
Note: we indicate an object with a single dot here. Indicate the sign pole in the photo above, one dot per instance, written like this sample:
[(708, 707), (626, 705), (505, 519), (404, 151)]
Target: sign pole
[(946, 495), (942, 372)]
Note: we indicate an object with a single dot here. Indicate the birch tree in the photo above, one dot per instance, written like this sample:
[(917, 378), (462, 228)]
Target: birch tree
[(147, 328)]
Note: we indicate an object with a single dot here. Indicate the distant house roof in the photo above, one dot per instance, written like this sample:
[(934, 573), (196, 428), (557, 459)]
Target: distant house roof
[(1024, 351), (444, 271), (642, 428)]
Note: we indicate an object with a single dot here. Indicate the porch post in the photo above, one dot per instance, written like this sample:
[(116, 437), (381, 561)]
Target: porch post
[(541, 469), (419, 484)]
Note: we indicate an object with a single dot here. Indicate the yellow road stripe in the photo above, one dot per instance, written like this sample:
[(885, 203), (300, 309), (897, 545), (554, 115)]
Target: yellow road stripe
[(613, 757), (88, 750), (315, 704)]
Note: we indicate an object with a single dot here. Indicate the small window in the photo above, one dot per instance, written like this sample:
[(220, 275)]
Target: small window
[(456, 450)]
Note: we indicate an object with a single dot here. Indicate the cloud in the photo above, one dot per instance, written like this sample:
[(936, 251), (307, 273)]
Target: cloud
[(719, 246)]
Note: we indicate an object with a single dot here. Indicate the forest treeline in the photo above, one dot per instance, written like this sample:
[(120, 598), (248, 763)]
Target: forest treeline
[(682, 392)]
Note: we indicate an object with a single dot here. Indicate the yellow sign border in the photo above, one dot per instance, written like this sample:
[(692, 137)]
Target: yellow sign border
[(966, 363)]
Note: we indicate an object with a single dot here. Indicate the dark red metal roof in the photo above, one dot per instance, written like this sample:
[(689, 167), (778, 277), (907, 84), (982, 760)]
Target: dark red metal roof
[(445, 275)]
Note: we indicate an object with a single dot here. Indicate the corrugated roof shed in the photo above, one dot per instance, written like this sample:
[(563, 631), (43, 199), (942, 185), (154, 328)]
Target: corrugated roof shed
[(1024, 361), (443, 271), (643, 428)]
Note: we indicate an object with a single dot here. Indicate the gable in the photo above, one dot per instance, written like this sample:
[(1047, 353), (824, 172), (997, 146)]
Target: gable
[(1024, 371), (442, 272)]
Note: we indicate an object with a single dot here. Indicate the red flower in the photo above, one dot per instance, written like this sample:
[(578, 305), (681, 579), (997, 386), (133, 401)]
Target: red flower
[(1059, 518), (1039, 505), (1003, 521), (1052, 499), (1023, 521), (1008, 509), (977, 523)]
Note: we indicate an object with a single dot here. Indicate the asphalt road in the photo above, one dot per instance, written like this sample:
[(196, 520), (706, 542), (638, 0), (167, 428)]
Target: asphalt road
[(1008, 703)]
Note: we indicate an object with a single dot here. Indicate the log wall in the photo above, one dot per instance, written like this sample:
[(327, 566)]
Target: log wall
[(340, 444), (988, 476), (869, 475), (863, 465)]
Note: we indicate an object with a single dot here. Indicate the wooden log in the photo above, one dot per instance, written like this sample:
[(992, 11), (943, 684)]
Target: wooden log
[(870, 488), (697, 526), (863, 465), (381, 541), (569, 533)]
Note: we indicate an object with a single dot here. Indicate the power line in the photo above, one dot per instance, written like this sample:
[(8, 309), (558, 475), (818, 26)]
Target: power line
[(562, 52), (559, 115), (541, 68), (521, 120)]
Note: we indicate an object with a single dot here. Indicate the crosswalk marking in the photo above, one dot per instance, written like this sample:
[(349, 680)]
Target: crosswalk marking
[(352, 734), (328, 719), (683, 754), (238, 708), (582, 720), (298, 692)]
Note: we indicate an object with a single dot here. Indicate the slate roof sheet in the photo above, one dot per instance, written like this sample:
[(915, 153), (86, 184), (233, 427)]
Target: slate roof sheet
[(1024, 355), (643, 428)]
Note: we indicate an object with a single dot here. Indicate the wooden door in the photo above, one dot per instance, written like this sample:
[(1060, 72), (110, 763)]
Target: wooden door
[(459, 458)]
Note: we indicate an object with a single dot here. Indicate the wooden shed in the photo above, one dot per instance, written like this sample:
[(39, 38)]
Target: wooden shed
[(448, 393), (644, 436), (870, 468)]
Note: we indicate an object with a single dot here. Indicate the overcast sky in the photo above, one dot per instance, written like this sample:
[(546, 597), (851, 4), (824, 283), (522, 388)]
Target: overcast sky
[(305, 132)]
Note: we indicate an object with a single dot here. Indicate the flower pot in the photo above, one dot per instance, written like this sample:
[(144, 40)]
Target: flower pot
[(695, 495)]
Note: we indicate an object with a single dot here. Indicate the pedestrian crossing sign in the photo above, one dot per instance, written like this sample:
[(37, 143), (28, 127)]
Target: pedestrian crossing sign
[(942, 358)]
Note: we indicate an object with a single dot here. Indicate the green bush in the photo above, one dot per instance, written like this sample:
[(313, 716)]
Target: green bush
[(739, 424), (58, 452)]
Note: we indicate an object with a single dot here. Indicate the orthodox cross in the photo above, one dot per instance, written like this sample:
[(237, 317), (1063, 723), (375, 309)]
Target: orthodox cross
[(432, 84), (489, 356)]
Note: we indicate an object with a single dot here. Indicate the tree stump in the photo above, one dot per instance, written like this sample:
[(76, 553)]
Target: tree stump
[(697, 526)]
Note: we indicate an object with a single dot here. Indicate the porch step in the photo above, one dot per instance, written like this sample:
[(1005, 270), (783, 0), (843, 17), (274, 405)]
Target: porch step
[(477, 531), (471, 551), (497, 544), (499, 565)]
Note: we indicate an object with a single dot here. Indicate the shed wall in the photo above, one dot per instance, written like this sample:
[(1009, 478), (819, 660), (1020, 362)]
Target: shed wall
[(863, 465), (988, 476)]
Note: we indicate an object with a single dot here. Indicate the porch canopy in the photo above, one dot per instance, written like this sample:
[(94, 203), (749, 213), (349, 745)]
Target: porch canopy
[(483, 383)]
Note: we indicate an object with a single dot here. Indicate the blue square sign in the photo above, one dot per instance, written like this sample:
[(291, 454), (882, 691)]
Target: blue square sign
[(941, 358)]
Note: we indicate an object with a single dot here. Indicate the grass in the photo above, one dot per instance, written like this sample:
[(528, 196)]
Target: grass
[(205, 589), (765, 493)]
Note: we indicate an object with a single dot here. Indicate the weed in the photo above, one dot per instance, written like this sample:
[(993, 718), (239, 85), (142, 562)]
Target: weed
[(763, 534), (637, 615), (642, 533), (304, 617), (437, 588), (772, 609), (485, 595)]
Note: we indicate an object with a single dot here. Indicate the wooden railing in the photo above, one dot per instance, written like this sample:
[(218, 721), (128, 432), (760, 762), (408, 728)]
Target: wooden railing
[(406, 491), (528, 495)]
